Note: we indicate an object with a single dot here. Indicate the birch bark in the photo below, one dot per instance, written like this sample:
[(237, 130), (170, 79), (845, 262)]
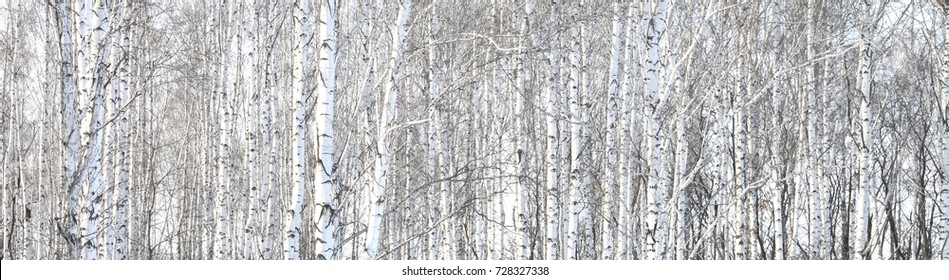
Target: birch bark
[(863, 192), (552, 245), (943, 249), (574, 190), (326, 196), (93, 26), (301, 14), (612, 111), (70, 133), (391, 94), (123, 163), (524, 250), (655, 30)]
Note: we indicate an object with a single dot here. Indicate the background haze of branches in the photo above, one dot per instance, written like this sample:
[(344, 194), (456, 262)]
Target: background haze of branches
[(776, 130)]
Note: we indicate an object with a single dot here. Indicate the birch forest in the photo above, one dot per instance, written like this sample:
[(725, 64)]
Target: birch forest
[(463, 130)]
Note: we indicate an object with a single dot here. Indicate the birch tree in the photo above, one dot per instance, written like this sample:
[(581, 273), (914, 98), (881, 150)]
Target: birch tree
[(865, 79), (575, 188), (6, 150), (325, 169), (70, 128), (270, 91), (655, 29), (122, 176), (389, 106), (943, 246), (435, 141), (301, 14), (93, 25), (228, 92), (552, 106), (250, 90), (523, 190), (608, 226)]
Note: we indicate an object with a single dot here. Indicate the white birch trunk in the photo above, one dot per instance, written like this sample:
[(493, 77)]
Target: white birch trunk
[(943, 245), (552, 244), (251, 93), (10, 168), (41, 223), (777, 187), (269, 149), (378, 192), (612, 110), (800, 195), (112, 104), (565, 129), (434, 140), (681, 178), (449, 234), (680, 193), (739, 173), (523, 250), (221, 199), (502, 245), (738, 146), (209, 236), (480, 232), (224, 227), (301, 14), (47, 132), (268, 180), (778, 214), (91, 23), (326, 194), (624, 234), (19, 229), (863, 191), (574, 192), (4, 159), (441, 132), (813, 147), (122, 163), (6, 164), (233, 87), (827, 209), (369, 107), (585, 246), (655, 30), (505, 246), (5, 174), (64, 12)]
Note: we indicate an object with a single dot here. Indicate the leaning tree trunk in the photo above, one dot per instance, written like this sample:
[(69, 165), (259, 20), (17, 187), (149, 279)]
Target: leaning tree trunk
[(92, 67), (390, 100)]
